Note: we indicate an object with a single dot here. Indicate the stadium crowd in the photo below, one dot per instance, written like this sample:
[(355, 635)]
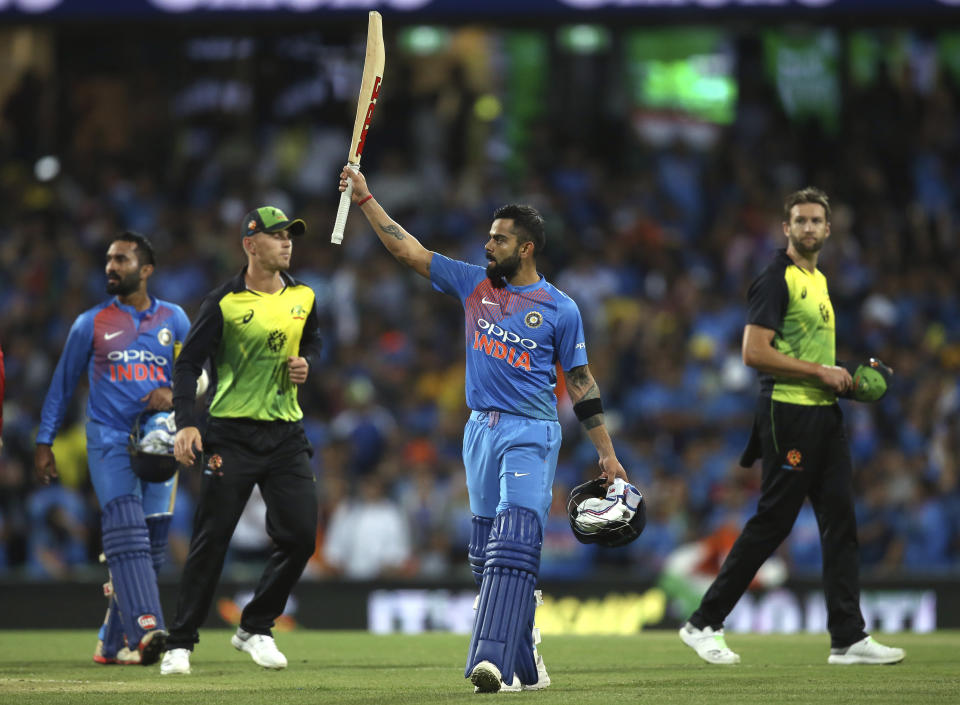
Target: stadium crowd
[(656, 241)]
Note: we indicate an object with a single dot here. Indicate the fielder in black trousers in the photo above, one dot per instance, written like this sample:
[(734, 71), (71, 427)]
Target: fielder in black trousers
[(798, 432), (814, 436), (275, 455), (259, 333)]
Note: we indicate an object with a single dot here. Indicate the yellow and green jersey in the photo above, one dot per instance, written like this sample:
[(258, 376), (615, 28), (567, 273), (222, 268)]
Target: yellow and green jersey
[(248, 336), (795, 304)]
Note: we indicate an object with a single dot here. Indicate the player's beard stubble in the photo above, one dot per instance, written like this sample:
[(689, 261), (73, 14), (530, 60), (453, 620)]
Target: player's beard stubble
[(499, 272), (813, 245), (123, 286)]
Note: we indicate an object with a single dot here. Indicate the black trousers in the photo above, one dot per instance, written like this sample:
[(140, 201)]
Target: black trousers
[(805, 454), (240, 453)]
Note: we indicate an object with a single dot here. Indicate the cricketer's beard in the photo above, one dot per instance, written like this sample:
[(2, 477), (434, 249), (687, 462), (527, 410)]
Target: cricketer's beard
[(499, 272), (123, 286), (799, 246)]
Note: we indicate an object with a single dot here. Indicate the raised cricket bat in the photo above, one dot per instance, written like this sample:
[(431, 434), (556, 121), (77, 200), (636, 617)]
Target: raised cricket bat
[(369, 92)]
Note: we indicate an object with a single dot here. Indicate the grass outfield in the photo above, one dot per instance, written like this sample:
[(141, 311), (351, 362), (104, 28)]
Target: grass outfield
[(356, 667)]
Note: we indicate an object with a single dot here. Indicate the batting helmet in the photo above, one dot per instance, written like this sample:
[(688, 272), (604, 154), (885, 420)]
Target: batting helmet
[(611, 516), (151, 446)]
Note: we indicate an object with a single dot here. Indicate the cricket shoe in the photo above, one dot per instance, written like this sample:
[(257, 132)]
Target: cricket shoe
[(486, 678), (866, 651), (175, 661), (151, 646), (261, 647), (709, 644), (123, 657)]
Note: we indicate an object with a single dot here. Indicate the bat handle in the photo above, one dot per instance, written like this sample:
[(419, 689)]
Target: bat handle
[(336, 237)]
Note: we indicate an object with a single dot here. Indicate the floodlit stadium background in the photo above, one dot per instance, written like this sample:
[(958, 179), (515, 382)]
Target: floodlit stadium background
[(658, 138)]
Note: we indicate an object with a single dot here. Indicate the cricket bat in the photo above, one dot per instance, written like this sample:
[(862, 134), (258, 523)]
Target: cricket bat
[(369, 92)]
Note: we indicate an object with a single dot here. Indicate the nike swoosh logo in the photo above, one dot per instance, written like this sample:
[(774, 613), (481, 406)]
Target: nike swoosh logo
[(111, 336), (489, 303), (520, 474)]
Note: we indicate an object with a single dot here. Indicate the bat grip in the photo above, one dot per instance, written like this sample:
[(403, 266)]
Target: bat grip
[(336, 237)]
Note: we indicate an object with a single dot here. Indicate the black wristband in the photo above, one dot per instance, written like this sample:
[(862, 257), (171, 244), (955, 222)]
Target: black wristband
[(586, 408)]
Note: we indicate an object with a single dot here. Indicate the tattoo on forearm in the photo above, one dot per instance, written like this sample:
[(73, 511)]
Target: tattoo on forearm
[(393, 230), (578, 378), (592, 393), (593, 421)]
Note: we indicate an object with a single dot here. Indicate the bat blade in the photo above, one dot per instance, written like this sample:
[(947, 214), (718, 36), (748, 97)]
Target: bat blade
[(366, 102)]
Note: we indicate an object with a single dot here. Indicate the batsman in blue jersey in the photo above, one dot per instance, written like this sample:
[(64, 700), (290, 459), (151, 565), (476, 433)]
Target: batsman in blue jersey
[(126, 345), (517, 329)]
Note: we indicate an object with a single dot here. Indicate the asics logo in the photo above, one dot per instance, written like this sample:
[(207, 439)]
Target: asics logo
[(111, 336), (495, 331), (489, 303)]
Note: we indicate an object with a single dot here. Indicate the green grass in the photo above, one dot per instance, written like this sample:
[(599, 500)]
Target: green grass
[(355, 667)]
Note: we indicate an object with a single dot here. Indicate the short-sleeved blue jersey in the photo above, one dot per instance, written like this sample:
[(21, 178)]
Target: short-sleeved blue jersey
[(127, 353), (515, 336)]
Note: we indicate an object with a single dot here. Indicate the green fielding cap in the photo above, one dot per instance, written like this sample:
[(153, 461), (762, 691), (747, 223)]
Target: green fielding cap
[(268, 219), (869, 380)]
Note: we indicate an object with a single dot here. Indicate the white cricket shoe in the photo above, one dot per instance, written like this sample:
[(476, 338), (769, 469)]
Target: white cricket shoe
[(124, 657), (866, 651), (175, 661), (709, 644), (486, 678), (130, 657), (262, 649)]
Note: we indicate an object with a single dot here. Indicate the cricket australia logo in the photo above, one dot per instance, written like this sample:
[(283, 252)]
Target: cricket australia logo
[(276, 340), (298, 313), (824, 313), (534, 319)]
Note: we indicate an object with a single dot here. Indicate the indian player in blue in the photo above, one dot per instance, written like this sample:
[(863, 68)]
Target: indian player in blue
[(518, 328), (127, 347)]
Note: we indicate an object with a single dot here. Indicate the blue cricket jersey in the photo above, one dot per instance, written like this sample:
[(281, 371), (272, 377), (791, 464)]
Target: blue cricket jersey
[(127, 353), (515, 336)]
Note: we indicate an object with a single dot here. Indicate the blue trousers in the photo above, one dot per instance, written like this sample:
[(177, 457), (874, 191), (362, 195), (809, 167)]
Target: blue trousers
[(112, 476), (510, 461)]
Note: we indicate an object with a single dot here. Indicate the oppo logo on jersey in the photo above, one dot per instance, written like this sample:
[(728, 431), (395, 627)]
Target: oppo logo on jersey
[(505, 335), (136, 366), (136, 356), (498, 349)]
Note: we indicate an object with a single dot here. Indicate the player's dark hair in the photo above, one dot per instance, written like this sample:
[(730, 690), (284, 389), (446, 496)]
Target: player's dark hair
[(529, 224), (144, 246), (810, 194)]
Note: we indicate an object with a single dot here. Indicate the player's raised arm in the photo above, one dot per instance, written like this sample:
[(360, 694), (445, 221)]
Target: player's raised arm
[(585, 395), (402, 245)]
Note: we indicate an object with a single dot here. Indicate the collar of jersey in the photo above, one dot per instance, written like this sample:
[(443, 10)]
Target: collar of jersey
[(791, 263), (239, 282), (133, 311), (529, 287)]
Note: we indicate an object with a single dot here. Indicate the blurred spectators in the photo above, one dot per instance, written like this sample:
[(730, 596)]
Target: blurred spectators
[(368, 535), (656, 237)]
